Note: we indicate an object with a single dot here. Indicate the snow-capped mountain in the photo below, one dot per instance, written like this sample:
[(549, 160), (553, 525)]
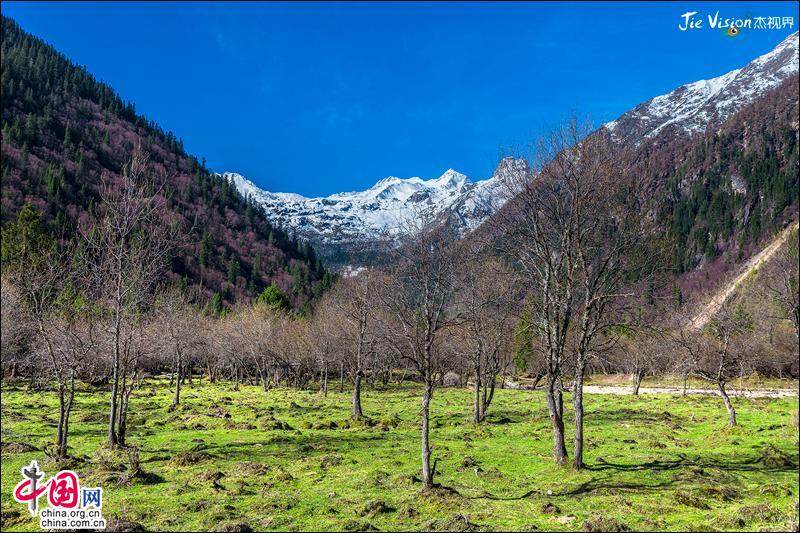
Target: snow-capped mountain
[(390, 207), (693, 107), (347, 228)]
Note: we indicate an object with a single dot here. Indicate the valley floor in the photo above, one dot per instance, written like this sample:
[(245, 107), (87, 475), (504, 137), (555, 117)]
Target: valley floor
[(293, 460)]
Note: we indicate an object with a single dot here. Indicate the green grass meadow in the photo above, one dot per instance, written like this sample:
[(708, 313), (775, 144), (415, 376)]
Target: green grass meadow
[(293, 460)]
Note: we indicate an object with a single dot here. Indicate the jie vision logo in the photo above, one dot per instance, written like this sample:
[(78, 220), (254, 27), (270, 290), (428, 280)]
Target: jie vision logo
[(732, 26)]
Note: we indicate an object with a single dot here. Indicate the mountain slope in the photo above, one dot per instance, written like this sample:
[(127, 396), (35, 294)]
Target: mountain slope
[(691, 108), (63, 131), (721, 193), (708, 311), (717, 197)]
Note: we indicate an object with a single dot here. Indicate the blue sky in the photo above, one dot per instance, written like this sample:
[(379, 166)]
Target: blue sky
[(323, 97)]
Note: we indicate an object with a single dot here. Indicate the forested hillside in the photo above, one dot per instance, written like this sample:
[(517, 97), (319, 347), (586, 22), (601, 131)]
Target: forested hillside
[(64, 133), (722, 193)]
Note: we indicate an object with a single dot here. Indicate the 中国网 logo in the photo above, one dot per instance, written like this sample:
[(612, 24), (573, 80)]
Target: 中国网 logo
[(70, 505)]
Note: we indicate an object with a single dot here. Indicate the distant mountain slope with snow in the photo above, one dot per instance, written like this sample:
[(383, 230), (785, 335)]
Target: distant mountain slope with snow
[(691, 108)]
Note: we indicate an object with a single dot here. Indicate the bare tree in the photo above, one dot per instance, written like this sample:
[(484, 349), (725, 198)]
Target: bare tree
[(254, 332), (784, 284), (129, 247), (324, 339), (16, 330), (70, 343), (350, 306), (420, 298), (206, 357), (52, 295), (177, 321), (717, 353), (577, 229), (323, 343), (487, 296), (224, 344), (639, 353), (295, 359)]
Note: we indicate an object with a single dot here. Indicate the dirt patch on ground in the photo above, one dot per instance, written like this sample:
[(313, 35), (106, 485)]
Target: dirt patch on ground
[(684, 498), (234, 527), (374, 508), (249, 468), (598, 522), (189, 458), (457, 522), (17, 447), (775, 458)]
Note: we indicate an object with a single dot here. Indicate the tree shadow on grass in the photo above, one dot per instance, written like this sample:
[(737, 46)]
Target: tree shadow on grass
[(603, 417), (595, 484), (290, 446), (609, 471), (751, 464)]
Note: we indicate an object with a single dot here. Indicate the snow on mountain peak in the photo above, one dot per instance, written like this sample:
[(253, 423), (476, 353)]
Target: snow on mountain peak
[(692, 107), (355, 216)]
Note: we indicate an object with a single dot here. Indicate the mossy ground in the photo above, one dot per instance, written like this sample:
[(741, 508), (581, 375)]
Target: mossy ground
[(293, 460)]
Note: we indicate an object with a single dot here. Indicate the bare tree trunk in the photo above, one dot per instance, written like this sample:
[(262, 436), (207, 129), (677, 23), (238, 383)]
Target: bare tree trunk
[(403, 374), (264, 379), (60, 451), (487, 397), (555, 405), (537, 378), (325, 379), (357, 413), (112, 418), (728, 404), (637, 381), (427, 473), (67, 411), (559, 394), (122, 429), (179, 369), (577, 404), (341, 376), (476, 411), (122, 411)]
